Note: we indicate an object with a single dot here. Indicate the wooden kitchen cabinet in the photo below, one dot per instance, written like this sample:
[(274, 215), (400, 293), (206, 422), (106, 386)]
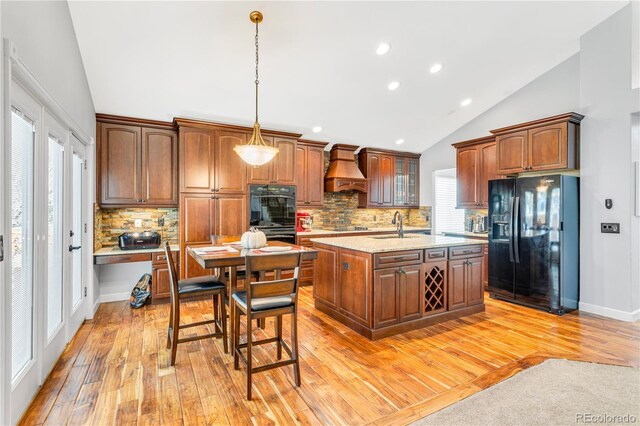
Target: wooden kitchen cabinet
[(309, 176), (228, 167), (326, 277), (160, 280), (137, 163), (435, 285), (465, 287), (385, 289), (475, 167), (547, 144), (411, 293), (393, 178), (282, 169)]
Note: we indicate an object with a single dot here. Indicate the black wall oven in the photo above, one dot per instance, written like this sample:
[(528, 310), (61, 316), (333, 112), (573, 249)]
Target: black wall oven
[(272, 209)]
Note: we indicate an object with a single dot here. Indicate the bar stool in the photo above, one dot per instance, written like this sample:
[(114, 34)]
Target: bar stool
[(199, 286), (263, 299)]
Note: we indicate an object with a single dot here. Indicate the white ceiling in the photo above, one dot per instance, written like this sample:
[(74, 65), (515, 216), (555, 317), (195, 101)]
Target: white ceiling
[(318, 64)]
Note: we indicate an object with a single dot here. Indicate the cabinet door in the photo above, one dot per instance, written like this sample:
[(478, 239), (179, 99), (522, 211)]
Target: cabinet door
[(301, 176), (385, 299), (284, 172), (196, 227), (435, 287), (261, 174), (326, 278), (512, 153), (399, 182), (355, 296), (120, 164), (196, 160), (456, 284), (386, 180), (230, 169), (159, 167), (411, 293), (373, 175), (467, 171), (547, 148), (160, 283), (413, 182), (473, 281), (485, 267), (488, 168), (231, 215), (315, 176)]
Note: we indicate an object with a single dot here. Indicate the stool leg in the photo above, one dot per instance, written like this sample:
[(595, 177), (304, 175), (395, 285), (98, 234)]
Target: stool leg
[(216, 314), (249, 360), (169, 329), (175, 334), (294, 347), (278, 320), (223, 315), (236, 336)]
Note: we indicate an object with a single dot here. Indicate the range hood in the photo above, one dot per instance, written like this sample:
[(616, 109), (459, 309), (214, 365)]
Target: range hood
[(343, 173)]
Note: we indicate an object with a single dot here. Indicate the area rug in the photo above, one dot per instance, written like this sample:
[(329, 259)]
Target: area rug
[(556, 392)]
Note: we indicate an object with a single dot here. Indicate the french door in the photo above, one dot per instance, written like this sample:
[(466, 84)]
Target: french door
[(46, 197)]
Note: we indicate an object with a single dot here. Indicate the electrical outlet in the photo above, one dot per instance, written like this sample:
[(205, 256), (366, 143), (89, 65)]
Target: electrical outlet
[(161, 221), (137, 223), (610, 228)]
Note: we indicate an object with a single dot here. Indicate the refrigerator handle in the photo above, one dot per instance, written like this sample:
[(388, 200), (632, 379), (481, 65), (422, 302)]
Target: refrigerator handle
[(511, 259), (516, 228)]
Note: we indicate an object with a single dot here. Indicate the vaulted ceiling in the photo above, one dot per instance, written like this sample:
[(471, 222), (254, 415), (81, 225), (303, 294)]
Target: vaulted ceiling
[(318, 61)]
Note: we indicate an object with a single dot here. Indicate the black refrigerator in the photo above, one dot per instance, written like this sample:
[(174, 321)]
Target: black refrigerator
[(534, 241)]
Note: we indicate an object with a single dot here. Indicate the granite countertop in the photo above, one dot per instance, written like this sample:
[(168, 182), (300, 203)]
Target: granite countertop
[(480, 236), (115, 250), (371, 244), (315, 232)]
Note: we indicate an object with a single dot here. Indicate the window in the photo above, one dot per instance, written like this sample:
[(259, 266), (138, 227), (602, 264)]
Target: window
[(446, 217)]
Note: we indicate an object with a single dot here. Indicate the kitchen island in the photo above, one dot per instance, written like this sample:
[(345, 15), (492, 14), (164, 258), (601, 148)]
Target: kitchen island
[(383, 285)]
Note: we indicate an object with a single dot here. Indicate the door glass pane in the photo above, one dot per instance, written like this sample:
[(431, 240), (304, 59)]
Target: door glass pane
[(54, 235), (412, 179), (399, 181), (22, 146), (76, 227)]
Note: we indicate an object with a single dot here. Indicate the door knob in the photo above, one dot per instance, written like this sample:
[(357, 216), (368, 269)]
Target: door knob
[(72, 247)]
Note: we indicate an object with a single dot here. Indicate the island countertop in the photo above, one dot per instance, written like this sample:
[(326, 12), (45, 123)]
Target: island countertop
[(382, 243)]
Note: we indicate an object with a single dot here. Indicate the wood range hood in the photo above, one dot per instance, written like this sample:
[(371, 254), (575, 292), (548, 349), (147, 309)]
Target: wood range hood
[(343, 173)]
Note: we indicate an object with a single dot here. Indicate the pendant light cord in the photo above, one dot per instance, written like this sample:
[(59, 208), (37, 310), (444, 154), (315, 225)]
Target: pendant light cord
[(257, 81)]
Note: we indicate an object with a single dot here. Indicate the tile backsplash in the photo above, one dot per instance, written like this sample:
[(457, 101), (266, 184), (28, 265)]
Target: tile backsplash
[(110, 223), (470, 214)]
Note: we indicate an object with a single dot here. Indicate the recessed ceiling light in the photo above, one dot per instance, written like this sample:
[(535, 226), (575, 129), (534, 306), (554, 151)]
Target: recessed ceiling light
[(383, 48), (465, 102), (316, 129), (435, 68), (399, 141), (393, 85)]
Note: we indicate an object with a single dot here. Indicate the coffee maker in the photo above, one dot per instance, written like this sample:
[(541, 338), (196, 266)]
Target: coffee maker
[(304, 220)]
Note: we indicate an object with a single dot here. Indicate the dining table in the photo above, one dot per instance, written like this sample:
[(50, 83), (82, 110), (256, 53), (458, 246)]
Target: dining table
[(226, 253)]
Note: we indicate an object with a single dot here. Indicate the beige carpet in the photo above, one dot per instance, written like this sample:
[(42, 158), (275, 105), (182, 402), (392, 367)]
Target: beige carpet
[(556, 392)]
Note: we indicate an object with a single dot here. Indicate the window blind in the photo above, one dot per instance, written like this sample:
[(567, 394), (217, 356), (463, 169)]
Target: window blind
[(447, 217)]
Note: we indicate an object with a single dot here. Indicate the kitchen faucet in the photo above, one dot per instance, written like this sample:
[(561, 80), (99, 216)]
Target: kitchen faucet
[(399, 227)]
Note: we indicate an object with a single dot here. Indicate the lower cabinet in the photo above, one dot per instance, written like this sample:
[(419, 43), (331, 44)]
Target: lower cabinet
[(435, 287), (465, 286), (397, 295), (325, 287), (160, 279)]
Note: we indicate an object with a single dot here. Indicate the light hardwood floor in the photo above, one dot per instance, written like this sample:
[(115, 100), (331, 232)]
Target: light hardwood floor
[(116, 370)]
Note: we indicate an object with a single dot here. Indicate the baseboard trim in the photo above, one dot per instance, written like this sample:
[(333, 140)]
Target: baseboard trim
[(96, 305), (610, 313), (115, 297)]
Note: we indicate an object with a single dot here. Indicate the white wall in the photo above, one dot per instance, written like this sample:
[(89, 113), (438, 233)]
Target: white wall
[(46, 42), (555, 92), (607, 282)]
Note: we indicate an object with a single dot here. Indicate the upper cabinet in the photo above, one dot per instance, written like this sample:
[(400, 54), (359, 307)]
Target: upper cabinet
[(309, 176), (392, 177), (137, 163), (475, 167), (541, 145), (282, 169)]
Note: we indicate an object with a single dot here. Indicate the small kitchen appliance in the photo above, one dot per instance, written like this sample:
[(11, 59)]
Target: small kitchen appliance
[(139, 240), (303, 221)]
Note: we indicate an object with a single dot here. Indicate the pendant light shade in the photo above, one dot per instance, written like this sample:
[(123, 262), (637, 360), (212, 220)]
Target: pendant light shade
[(256, 152)]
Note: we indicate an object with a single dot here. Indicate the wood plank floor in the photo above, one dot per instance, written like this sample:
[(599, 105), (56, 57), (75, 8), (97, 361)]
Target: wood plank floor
[(116, 370)]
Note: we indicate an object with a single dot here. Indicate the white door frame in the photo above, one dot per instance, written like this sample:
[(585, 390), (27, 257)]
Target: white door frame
[(14, 70)]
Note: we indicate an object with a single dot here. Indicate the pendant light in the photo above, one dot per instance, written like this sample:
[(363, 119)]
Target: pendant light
[(256, 152)]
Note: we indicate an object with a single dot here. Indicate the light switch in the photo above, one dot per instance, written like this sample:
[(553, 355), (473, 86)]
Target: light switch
[(138, 223)]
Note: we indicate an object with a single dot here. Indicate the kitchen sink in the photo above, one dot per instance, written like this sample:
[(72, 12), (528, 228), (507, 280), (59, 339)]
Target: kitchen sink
[(396, 237)]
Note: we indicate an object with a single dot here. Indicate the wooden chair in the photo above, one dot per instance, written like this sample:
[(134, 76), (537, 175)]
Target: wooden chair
[(199, 286), (263, 299)]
